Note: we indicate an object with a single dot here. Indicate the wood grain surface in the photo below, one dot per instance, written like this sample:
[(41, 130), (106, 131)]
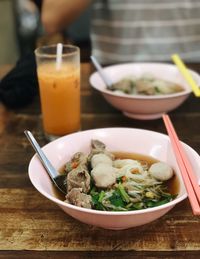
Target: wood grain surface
[(33, 227)]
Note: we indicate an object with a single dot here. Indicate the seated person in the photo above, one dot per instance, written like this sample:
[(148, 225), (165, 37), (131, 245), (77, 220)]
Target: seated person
[(132, 30)]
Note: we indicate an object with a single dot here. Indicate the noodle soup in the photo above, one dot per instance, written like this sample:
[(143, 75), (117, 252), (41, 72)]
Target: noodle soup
[(117, 181)]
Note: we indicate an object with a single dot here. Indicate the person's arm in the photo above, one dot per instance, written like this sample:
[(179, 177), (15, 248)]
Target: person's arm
[(59, 14)]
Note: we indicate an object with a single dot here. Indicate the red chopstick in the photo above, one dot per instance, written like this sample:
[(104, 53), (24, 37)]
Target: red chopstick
[(185, 166)]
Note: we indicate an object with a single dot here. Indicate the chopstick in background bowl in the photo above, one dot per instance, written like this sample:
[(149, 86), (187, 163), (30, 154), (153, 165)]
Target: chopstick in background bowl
[(186, 74), (189, 178)]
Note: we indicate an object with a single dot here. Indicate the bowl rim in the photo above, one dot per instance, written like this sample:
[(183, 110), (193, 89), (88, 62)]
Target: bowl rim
[(142, 97), (105, 213)]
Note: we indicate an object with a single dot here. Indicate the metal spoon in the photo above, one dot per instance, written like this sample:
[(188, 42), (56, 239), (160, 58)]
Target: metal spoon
[(103, 75), (57, 178)]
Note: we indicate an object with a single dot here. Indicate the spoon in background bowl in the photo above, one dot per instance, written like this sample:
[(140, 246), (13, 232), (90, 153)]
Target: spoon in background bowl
[(102, 74), (57, 178)]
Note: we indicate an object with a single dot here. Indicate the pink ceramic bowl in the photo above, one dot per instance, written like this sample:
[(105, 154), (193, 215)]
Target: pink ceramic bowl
[(132, 140), (140, 106)]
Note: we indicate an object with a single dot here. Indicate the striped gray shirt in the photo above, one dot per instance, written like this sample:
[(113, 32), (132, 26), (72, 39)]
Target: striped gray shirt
[(145, 30)]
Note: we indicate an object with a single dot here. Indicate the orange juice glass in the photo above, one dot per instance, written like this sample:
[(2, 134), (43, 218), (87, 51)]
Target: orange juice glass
[(59, 90)]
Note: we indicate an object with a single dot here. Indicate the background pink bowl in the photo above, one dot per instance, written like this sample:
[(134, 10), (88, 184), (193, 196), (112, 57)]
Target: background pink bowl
[(142, 106)]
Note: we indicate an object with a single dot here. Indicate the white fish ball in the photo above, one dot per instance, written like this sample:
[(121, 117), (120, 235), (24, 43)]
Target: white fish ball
[(161, 171), (100, 158), (104, 175)]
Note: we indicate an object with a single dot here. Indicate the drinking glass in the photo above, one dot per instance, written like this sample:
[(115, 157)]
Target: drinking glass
[(59, 85)]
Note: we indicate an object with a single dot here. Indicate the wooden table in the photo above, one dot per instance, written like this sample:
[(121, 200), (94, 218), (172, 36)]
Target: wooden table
[(33, 227)]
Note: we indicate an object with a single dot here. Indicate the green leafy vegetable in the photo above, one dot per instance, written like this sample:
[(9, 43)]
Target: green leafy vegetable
[(123, 193), (95, 200), (116, 199)]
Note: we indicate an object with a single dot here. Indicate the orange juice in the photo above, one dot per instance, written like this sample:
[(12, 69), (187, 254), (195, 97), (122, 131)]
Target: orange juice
[(60, 98)]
